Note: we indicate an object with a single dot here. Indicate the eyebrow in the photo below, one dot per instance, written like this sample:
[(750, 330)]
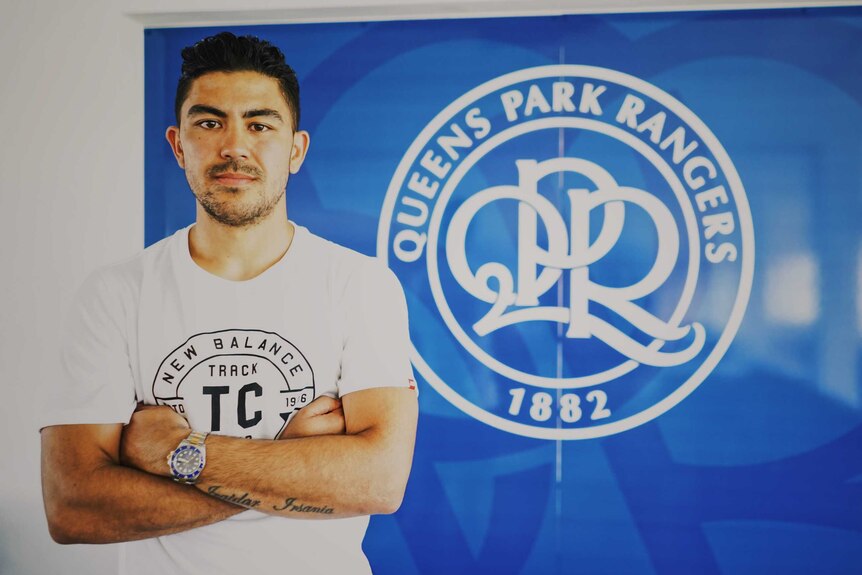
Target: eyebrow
[(263, 112), (203, 109)]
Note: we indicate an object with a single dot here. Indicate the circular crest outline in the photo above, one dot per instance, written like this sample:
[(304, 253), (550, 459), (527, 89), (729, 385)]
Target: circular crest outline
[(737, 192)]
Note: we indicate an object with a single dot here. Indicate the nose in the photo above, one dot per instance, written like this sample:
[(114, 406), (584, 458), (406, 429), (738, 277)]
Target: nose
[(234, 144)]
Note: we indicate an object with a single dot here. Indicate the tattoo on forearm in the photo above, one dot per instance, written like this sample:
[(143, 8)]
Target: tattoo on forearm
[(291, 504), (242, 500)]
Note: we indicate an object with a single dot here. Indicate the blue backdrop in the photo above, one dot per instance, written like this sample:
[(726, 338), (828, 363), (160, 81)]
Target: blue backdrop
[(707, 423)]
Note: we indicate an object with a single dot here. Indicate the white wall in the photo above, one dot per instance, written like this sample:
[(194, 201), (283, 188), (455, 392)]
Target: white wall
[(71, 192), (71, 197)]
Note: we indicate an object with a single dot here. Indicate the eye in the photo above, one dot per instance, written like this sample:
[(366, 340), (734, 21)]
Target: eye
[(208, 124), (259, 127)]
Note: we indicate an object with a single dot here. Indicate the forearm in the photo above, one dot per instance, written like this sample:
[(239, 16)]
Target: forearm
[(91, 498), (307, 478), (359, 470)]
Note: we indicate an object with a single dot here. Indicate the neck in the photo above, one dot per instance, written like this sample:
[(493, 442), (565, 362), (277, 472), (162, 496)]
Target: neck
[(239, 253)]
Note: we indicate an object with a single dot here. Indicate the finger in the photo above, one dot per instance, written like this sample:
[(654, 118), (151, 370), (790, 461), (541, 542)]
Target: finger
[(332, 423), (322, 405), (337, 413)]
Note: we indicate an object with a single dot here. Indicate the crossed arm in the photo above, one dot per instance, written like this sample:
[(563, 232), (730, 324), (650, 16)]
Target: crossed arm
[(102, 484)]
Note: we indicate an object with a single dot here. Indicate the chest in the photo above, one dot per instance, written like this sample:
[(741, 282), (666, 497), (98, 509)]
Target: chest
[(237, 361)]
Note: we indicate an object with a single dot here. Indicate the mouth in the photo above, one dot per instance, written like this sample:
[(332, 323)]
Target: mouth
[(233, 179)]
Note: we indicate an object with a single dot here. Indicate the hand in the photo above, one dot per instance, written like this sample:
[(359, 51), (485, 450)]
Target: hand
[(323, 416), (153, 432)]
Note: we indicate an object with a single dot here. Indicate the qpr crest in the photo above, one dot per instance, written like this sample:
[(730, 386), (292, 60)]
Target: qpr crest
[(576, 248)]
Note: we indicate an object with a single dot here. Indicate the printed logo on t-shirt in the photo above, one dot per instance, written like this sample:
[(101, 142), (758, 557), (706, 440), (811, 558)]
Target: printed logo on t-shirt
[(237, 382)]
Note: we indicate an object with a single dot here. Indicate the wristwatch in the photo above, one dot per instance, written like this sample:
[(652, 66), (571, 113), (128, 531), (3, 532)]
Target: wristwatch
[(187, 461)]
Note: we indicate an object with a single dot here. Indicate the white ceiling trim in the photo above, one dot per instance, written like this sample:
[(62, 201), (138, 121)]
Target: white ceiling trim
[(445, 10)]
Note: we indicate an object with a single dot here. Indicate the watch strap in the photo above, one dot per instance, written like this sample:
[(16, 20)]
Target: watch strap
[(197, 438)]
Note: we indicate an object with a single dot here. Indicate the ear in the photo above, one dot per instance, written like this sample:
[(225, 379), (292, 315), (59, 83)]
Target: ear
[(301, 141), (172, 134)]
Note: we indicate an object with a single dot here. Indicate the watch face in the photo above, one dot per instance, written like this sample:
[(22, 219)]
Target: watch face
[(187, 461)]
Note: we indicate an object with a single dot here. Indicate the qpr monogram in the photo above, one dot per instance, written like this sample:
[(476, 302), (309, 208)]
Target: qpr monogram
[(576, 248), (539, 270)]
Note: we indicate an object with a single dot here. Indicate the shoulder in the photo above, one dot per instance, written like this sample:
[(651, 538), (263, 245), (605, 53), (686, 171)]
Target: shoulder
[(121, 281), (347, 268)]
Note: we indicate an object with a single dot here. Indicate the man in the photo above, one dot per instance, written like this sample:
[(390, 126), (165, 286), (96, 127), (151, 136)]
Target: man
[(261, 371)]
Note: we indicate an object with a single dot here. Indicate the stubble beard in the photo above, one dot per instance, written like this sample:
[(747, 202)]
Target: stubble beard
[(230, 212)]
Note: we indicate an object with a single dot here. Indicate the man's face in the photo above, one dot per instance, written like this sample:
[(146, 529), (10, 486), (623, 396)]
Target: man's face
[(236, 145)]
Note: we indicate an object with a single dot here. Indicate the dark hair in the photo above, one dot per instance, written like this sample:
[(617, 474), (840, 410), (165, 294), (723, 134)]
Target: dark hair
[(225, 52)]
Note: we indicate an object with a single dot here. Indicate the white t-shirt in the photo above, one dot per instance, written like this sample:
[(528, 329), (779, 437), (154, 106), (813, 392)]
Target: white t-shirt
[(235, 358)]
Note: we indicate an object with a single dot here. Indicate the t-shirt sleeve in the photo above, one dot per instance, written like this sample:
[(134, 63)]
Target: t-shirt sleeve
[(376, 349), (96, 383)]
